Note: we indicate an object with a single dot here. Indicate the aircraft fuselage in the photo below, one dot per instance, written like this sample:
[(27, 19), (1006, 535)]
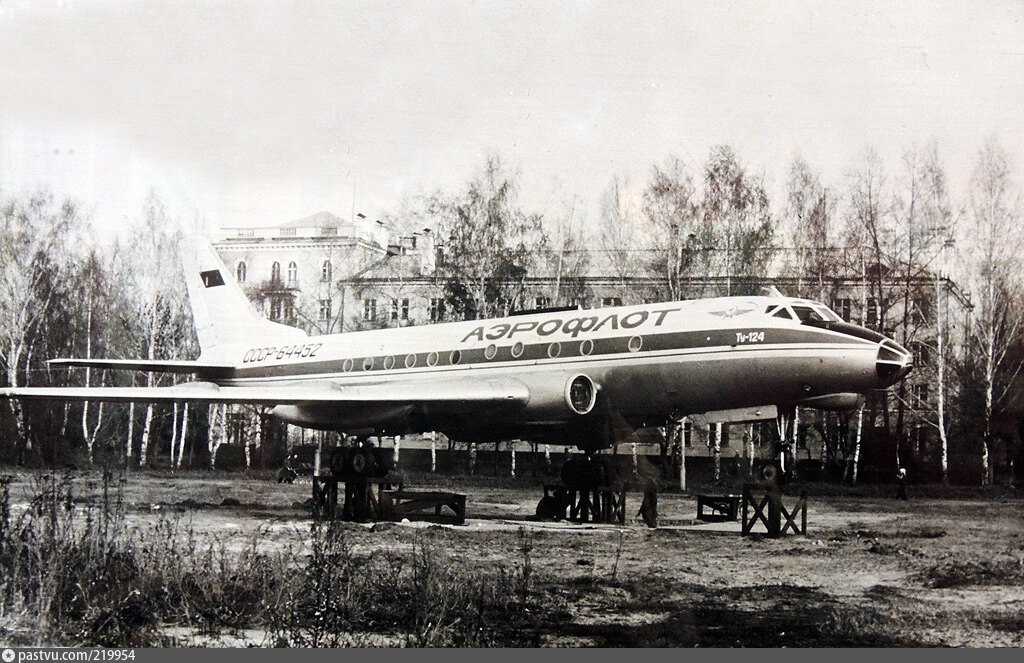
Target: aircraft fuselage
[(642, 363)]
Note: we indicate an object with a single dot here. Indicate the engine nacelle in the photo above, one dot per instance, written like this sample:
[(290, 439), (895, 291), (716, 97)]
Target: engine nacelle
[(561, 401)]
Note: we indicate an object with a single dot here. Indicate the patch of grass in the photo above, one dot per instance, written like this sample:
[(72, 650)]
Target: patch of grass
[(77, 575), (1003, 570)]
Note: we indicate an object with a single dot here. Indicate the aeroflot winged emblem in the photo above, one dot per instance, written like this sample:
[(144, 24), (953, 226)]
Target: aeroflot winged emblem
[(741, 308), (572, 327)]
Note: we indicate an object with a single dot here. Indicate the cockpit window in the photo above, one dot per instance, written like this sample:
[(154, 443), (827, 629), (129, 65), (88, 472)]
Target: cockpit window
[(829, 314), (807, 314), (783, 313)]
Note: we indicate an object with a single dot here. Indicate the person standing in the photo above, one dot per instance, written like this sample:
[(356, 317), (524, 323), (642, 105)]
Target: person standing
[(901, 484)]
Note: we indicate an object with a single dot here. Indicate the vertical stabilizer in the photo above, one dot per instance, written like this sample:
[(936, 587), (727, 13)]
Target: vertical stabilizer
[(223, 314)]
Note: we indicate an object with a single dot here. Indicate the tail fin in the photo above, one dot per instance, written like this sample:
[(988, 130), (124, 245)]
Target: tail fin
[(222, 312)]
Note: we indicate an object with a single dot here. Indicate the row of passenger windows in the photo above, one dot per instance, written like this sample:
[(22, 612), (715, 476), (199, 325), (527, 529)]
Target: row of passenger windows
[(554, 350), (326, 272)]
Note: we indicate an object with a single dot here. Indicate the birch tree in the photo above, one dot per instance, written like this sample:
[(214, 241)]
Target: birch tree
[(810, 213), (34, 235), (154, 295), (995, 262), (620, 234), (679, 238), (489, 247), (735, 208)]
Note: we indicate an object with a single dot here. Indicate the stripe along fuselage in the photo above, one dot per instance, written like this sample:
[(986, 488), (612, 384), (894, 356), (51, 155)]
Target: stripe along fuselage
[(638, 363)]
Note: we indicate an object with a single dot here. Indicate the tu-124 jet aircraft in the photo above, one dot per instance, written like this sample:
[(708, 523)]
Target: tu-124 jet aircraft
[(582, 377)]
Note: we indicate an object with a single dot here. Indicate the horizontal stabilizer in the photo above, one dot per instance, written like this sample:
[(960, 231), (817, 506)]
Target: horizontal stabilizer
[(153, 365), (464, 390)]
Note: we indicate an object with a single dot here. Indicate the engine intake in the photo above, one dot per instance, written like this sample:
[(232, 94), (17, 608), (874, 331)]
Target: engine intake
[(580, 394)]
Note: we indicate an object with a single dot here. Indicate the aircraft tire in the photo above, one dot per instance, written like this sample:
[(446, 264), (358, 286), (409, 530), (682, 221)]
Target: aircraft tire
[(547, 508), (772, 473)]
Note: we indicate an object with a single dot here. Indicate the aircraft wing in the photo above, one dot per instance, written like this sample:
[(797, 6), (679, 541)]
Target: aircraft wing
[(154, 365), (464, 390)]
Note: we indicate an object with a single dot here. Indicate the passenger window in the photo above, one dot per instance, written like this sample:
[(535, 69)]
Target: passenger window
[(783, 313)]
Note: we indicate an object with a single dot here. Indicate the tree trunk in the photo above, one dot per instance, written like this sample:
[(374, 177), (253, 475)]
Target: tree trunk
[(717, 449), (146, 430), (941, 378), (131, 432), (749, 450), (682, 454), (856, 447), (174, 433), (181, 435)]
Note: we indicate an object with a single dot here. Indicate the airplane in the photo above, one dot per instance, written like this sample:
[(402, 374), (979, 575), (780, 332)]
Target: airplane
[(587, 378)]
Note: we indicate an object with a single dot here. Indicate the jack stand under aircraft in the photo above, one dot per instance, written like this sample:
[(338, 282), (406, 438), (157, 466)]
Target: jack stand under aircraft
[(372, 493)]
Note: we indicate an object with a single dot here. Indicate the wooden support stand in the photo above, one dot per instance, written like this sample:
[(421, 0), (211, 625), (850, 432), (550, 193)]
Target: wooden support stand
[(717, 508), (388, 502), (399, 504), (763, 503), (597, 505)]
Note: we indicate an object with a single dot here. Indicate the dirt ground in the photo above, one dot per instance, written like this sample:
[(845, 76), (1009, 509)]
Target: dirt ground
[(930, 571)]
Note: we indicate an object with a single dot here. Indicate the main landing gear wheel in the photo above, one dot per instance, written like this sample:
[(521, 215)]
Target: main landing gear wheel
[(361, 461), (548, 508), (770, 472)]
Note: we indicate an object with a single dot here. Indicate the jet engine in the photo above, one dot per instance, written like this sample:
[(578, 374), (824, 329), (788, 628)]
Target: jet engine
[(559, 401)]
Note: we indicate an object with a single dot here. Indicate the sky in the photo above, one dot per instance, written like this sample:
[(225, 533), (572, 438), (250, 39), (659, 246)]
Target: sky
[(260, 112)]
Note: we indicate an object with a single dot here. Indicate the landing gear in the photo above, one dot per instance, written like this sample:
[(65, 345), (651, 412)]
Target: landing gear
[(357, 467), (592, 491), (362, 460), (587, 473)]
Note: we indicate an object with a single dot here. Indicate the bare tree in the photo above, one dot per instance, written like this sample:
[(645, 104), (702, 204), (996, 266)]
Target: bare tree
[(869, 251), (995, 263), (490, 244), (810, 212), (156, 314), (567, 259), (671, 206), (620, 237), (735, 208), (34, 235)]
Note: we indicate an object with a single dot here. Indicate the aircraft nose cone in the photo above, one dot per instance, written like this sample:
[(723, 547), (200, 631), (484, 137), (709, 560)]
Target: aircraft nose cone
[(892, 363)]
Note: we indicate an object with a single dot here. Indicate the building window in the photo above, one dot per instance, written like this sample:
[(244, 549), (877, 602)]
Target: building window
[(240, 272), (871, 315), (287, 232), (369, 309), (687, 433), (611, 301), (275, 272), (325, 271), (921, 394), (246, 232), (436, 309), (293, 273), (275, 309), (921, 352), (843, 306), (288, 311), (325, 310), (399, 309), (329, 230), (542, 302)]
